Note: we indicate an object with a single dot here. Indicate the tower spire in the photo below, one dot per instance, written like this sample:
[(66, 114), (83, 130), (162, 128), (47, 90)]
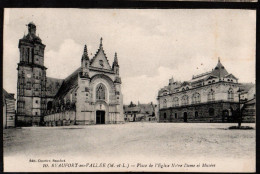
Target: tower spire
[(115, 59), (218, 60), (115, 63), (101, 45)]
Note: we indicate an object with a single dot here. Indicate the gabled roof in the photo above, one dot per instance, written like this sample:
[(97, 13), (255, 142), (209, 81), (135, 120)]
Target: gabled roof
[(211, 77), (100, 55), (146, 108), (185, 83), (232, 76)]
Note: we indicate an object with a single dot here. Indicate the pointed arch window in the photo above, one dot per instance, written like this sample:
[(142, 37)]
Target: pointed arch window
[(100, 92), (230, 94), (211, 95)]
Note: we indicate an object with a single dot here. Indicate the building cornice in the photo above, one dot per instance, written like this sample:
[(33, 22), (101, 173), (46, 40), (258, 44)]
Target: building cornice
[(199, 104), (212, 84)]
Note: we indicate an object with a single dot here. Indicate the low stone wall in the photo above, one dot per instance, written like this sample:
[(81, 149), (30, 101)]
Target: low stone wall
[(67, 118), (64, 118)]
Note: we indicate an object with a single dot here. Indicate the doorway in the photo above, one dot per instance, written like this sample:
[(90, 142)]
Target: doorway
[(196, 114), (185, 117), (100, 117)]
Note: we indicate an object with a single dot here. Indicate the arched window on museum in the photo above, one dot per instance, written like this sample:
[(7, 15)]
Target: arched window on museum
[(185, 100), (165, 103), (100, 92), (230, 94), (211, 95), (196, 98), (176, 101)]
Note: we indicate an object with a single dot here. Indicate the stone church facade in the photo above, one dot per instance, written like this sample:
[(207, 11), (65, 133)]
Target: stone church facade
[(90, 95), (208, 97)]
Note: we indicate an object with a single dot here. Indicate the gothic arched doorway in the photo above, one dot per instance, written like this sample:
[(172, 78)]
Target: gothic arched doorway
[(185, 117), (100, 117)]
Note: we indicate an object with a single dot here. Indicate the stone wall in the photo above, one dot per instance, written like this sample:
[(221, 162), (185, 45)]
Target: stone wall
[(64, 118)]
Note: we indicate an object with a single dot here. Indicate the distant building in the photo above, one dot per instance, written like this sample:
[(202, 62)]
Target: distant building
[(140, 112), (90, 95), (208, 97), (8, 110), (248, 100)]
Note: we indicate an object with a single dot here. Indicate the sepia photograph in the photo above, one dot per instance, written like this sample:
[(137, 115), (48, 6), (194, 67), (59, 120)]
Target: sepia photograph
[(129, 90)]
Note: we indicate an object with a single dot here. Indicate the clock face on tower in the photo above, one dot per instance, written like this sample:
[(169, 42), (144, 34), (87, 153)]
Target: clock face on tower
[(29, 75)]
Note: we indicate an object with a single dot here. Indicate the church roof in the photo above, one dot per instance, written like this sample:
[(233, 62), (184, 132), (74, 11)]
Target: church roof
[(53, 85), (69, 83)]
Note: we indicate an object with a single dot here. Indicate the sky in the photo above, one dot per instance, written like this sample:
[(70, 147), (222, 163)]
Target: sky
[(152, 45)]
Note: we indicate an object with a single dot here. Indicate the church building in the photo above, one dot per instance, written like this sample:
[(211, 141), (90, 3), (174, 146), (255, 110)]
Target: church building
[(90, 95)]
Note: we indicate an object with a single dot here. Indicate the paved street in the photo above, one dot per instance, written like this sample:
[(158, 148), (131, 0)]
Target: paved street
[(133, 141)]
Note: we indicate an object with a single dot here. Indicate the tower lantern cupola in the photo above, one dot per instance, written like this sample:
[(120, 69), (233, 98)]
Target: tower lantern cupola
[(31, 28)]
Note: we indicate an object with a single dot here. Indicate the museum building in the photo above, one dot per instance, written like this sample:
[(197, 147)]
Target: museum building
[(90, 95), (208, 97)]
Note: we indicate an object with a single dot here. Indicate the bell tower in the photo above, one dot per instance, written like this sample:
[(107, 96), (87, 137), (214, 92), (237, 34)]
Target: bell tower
[(31, 85)]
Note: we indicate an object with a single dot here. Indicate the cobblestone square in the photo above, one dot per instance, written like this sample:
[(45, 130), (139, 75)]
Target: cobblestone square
[(134, 142)]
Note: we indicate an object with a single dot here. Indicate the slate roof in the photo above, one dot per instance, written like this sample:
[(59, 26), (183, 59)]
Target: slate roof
[(69, 83), (140, 108), (219, 70), (53, 85), (8, 95), (249, 102), (246, 86)]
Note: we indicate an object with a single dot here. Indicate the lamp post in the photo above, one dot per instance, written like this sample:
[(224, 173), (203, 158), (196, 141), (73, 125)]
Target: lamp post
[(240, 115)]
